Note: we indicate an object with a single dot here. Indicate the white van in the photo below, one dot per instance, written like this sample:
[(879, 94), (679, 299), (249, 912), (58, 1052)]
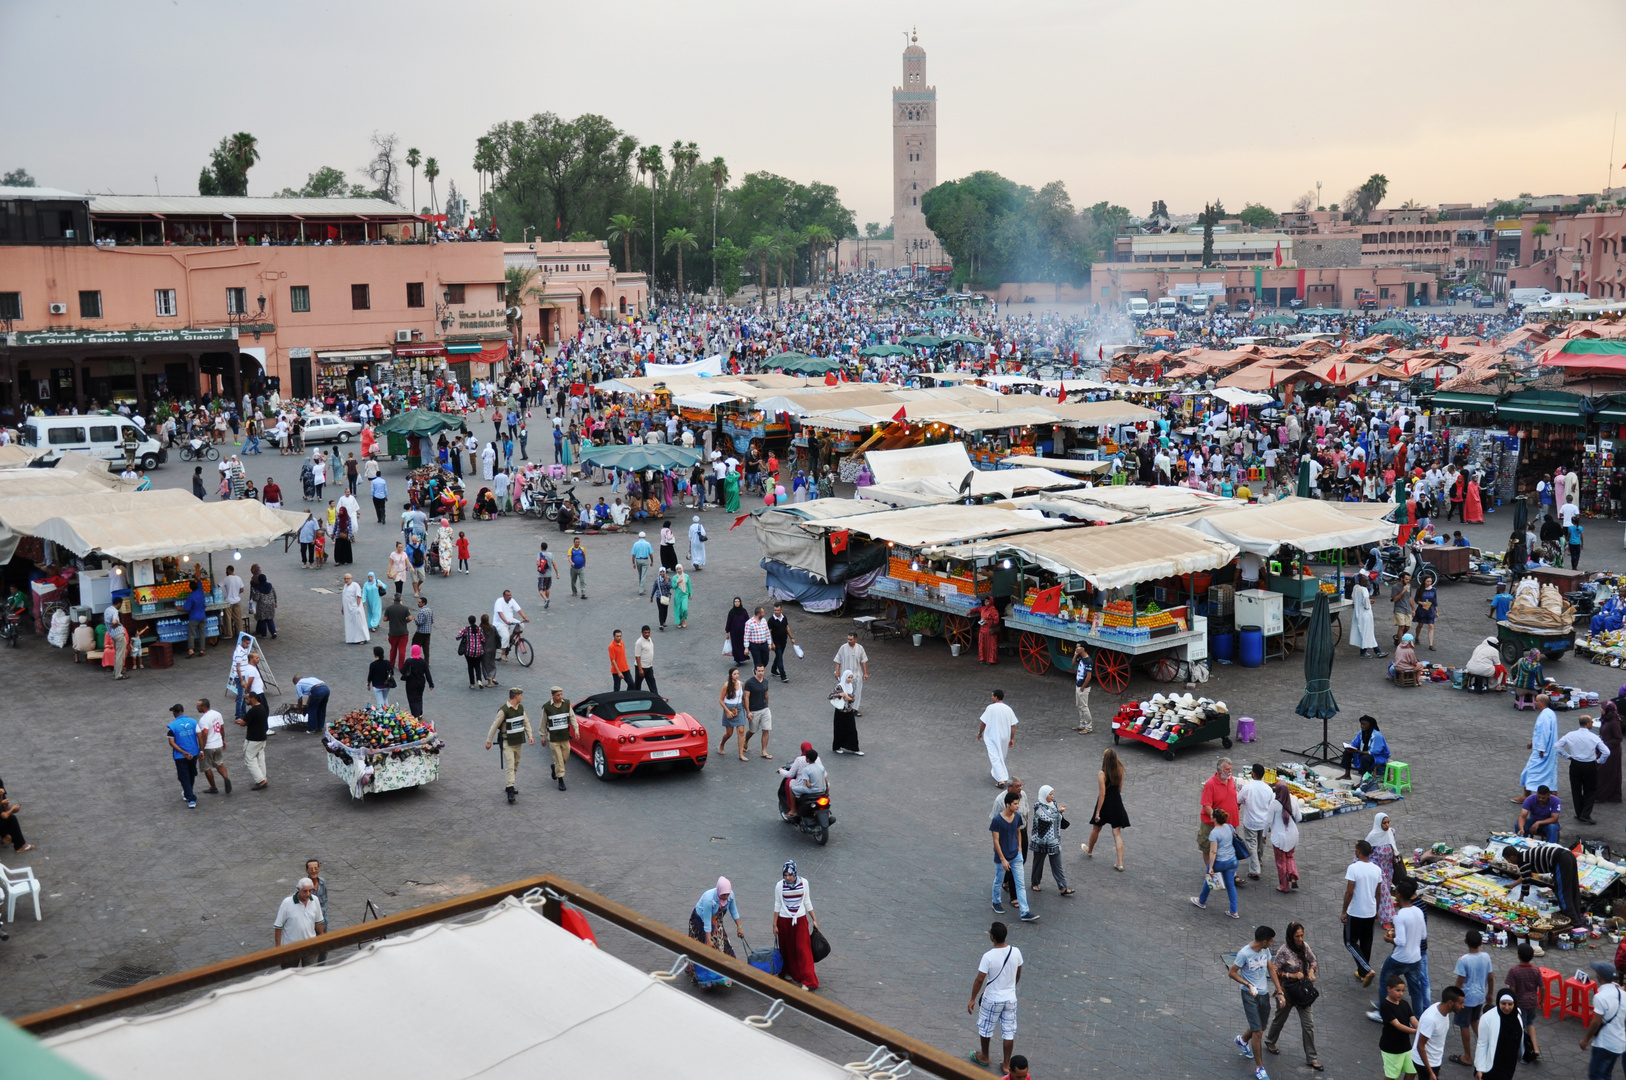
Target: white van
[(1139, 307), (97, 434), (1168, 306)]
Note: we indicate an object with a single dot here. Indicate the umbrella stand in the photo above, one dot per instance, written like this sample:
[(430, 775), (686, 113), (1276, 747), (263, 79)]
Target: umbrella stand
[(1323, 752)]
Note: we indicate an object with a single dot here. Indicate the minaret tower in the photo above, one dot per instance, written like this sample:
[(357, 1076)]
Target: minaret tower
[(914, 159)]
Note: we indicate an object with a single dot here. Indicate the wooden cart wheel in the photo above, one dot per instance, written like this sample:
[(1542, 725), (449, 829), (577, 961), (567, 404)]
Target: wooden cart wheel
[(1337, 629), (1034, 649), (958, 630), (896, 611), (1164, 669), (1112, 670)]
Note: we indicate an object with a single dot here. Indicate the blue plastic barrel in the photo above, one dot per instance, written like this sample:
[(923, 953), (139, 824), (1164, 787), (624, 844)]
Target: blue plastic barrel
[(1225, 647), (1253, 647)]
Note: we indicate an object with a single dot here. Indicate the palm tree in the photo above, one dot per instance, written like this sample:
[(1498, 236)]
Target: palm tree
[(818, 238), (431, 169), (624, 227), (784, 247), (244, 151), (651, 163), (680, 239), (761, 249), (413, 159), (719, 180)]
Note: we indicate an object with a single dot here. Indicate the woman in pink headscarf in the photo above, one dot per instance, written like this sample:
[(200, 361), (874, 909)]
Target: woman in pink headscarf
[(706, 920), (415, 675)]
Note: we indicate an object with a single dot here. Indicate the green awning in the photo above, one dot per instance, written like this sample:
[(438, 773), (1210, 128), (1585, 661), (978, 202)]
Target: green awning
[(465, 348), (1612, 414), (1466, 402), (25, 1055), (1542, 407), (1596, 346)]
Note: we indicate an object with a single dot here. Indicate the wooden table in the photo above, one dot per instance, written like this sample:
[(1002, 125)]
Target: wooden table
[(1566, 581)]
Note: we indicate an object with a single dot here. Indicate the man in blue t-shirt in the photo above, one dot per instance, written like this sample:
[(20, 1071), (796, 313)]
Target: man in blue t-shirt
[(196, 606), (182, 733), (1007, 829)]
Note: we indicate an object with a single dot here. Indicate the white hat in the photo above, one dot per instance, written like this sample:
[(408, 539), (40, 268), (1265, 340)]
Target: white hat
[(643, 534)]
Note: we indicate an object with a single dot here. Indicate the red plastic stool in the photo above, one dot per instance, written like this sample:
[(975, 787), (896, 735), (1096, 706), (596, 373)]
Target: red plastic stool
[(1552, 991), (1578, 999)]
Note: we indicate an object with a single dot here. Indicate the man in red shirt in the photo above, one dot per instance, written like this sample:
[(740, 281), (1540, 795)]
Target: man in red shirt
[(1219, 793), (271, 494)]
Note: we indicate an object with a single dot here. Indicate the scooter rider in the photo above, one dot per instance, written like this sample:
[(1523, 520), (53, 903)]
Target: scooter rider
[(804, 776)]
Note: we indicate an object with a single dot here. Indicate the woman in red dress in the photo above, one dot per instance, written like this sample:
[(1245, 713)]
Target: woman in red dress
[(1473, 511), (794, 923), (987, 631)]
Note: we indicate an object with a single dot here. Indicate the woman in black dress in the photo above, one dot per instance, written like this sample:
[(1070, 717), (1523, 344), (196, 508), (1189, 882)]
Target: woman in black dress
[(414, 675), (669, 559), (845, 737), (734, 627), (344, 531), (1109, 806)]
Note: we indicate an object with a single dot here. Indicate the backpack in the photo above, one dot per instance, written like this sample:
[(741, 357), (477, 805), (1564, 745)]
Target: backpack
[(416, 556), (544, 565)]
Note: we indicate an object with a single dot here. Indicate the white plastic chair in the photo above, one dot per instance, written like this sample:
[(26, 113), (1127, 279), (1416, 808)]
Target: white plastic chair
[(19, 882)]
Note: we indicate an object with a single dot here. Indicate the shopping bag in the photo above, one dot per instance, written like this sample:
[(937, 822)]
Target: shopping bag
[(728, 647), (798, 650)]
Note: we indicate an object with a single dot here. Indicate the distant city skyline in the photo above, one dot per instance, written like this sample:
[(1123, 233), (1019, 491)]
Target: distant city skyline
[(1124, 102)]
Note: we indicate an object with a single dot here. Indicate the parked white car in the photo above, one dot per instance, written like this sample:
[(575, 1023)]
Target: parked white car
[(324, 427)]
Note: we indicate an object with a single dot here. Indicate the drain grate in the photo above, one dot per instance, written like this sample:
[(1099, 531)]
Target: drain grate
[(124, 976)]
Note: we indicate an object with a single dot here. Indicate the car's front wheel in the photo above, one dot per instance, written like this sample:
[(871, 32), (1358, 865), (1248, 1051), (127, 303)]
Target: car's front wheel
[(601, 764), (150, 462), (344, 436)]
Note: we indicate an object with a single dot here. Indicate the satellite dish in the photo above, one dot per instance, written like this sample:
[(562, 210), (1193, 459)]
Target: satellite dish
[(965, 485)]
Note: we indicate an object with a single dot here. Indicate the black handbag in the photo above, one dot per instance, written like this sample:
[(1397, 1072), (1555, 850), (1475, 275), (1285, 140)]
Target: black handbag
[(1301, 992), (819, 944)]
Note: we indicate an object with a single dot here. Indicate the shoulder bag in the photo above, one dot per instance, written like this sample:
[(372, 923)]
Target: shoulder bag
[(1240, 848), (819, 944), (1300, 992)]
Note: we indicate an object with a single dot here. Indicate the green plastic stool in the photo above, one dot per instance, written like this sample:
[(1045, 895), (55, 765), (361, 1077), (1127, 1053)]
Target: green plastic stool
[(1397, 777)]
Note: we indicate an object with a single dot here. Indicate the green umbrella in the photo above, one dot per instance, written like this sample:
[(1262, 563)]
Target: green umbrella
[(1394, 326), (925, 341), (1277, 318), (797, 364), (657, 456), (966, 339), (883, 350), (1318, 702), (420, 422)]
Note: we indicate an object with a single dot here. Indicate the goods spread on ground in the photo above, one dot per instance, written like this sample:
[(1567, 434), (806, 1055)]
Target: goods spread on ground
[(1473, 882), (382, 748), (1319, 799)]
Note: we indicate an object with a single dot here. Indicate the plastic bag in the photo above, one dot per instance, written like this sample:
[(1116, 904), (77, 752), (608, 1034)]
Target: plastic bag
[(728, 647), (798, 650)]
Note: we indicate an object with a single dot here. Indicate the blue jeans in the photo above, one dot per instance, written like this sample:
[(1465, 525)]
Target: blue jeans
[(381, 695), (1548, 833), (1229, 874), (1602, 1064), (316, 710), (1020, 879), (1416, 980)]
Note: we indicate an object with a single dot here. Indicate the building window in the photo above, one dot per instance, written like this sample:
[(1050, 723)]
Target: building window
[(360, 298), (164, 300), (90, 305), (11, 305), (414, 294), (299, 298), (456, 292), (236, 301)]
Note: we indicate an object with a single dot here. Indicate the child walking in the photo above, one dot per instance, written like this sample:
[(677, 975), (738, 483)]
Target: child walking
[(463, 553), (321, 548)]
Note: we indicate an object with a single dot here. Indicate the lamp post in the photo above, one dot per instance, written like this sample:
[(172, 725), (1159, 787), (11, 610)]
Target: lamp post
[(239, 320), (1504, 375)]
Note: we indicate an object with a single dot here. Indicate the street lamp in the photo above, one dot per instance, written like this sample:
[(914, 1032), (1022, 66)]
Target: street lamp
[(1504, 375), (240, 319)]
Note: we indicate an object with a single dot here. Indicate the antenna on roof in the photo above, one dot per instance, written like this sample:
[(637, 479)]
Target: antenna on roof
[(155, 183)]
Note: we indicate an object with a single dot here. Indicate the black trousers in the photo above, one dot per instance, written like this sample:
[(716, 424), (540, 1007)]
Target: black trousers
[(423, 640), (11, 828), (1365, 762), (476, 675), (380, 505), (617, 678), (1584, 786), (778, 666), (645, 677), (1358, 940)]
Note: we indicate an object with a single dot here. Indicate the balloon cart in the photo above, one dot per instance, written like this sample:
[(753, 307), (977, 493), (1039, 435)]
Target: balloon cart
[(382, 748)]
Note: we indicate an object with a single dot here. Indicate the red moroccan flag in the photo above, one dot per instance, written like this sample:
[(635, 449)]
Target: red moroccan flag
[(738, 521), (1061, 398), (1048, 601), (830, 378), (1273, 378), (1100, 352), (1278, 253), (838, 540), (902, 413)]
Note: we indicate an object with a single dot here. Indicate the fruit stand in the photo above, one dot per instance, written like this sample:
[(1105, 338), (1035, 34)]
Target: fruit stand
[(382, 748)]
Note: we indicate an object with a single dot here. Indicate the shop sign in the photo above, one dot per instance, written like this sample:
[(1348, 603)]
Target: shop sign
[(299, 352), (468, 320), (120, 337)]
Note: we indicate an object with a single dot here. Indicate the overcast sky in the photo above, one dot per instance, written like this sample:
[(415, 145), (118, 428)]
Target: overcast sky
[(1249, 100)]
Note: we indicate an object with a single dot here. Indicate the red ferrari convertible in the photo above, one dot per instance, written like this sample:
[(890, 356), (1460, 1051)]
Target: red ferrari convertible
[(634, 729)]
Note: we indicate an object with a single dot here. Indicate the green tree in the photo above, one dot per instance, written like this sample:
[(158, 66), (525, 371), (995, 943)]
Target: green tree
[(431, 170), (413, 160), (761, 250), (229, 162), (966, 214), (1363, 200), (624, 227), (519, 284), (1258, 216), (651, 164), (326, 183), (717, 171), (727, 259), (1210, 217), (17, 178), (555, 174), (818, 239), (679, 240)]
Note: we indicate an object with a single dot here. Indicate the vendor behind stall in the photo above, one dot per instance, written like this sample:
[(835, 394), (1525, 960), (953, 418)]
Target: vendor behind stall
[(1554, 860), (1369, 751)]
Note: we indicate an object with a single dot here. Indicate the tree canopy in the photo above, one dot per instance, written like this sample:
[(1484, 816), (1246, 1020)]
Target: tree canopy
[(17, 178), (1258, 216), (229, 163), (996, 230), (327, 183)]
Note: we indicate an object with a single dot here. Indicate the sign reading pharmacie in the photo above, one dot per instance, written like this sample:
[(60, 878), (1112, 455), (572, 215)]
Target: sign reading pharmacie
[(178, 335), (468, 320)]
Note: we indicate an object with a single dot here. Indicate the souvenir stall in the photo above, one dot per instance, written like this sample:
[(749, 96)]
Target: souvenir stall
[(1473, 883), (382, 748), (337, 371), (1495, 453), (1598, 473), (1318, 798)]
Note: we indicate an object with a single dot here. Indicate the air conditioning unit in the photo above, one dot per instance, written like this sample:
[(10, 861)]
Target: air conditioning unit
[(59, 309), (403, 336)]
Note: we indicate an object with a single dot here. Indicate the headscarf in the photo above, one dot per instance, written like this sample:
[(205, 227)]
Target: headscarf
[(1510, 1035), (372, 579), (790, 868), (724, 887), (1379, 836), (1534, 656), (1284, 795), (417, 652), (1044, 792)]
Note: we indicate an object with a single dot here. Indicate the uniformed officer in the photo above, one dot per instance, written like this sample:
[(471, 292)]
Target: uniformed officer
[(513, 727), (132, 443)]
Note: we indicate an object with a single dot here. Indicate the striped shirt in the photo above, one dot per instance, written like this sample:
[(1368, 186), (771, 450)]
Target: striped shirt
[(792, 901)]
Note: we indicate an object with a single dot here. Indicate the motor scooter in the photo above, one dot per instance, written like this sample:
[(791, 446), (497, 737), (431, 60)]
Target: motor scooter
[(813, 815)]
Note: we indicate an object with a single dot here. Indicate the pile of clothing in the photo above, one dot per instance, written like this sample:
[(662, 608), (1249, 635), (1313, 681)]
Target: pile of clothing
[(1539, 609)]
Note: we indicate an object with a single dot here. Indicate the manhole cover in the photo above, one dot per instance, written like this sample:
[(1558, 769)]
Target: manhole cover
[(124, 976)]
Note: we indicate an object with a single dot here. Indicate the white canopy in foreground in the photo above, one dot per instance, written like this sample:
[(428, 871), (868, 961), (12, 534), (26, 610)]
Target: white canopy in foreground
[(921, 526), (513, 997), (1307, 524), (1065, 465), (12, 455), (943, 461), (701, 399), (924, 491), (1113, 556), (130, 525), (16, 483)]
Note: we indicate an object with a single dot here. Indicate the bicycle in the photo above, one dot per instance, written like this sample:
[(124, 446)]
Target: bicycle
[(520, 648)]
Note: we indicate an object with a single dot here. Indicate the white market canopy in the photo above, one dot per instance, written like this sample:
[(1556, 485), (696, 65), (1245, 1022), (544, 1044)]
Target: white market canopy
[(506, 996), (943, 461), (131, 525), (1093, 413), (710, 366), (924, 491), (1307, 524), (1235, 395), (1113, 556), (1065, 465), (701, 399), (922, 526)]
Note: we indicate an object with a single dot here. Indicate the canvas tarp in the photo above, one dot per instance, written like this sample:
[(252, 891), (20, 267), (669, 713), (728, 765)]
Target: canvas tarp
[(1113, 556), (12, 455), (17, 483), (943, 461), (1065, 465), (478, 973), (924, 491), (1094, 413), (783, 540), (1148, 501), (922, 526), (130, 525), (710, 366), (1307, 524)]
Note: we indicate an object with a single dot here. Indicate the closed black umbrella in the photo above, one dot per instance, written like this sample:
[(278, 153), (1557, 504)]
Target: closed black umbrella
[(1521, 515), (1318, 702)]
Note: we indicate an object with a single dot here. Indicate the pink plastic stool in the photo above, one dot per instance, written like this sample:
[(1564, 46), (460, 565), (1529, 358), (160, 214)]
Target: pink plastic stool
[(1244, 729), (557, 472)]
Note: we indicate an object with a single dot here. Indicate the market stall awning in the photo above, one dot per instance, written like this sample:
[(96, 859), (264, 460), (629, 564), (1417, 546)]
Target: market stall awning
[(1064, 465), (1148, 501), (17, 483), (1113, 556), (484, 974), (1235, 395), (1542, 407), (703, 400), (1096, 413), (12, 455), (1307, 524), (657, 456), (1451, 399), (923, 526), (709, 366), (943, 461), (131, 525), (925, 491), (420, 422), (356, 356)]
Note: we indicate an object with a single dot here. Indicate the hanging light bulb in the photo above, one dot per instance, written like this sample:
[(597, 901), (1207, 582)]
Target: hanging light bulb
[(238, 555), (186, 558), (1006, 564)]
